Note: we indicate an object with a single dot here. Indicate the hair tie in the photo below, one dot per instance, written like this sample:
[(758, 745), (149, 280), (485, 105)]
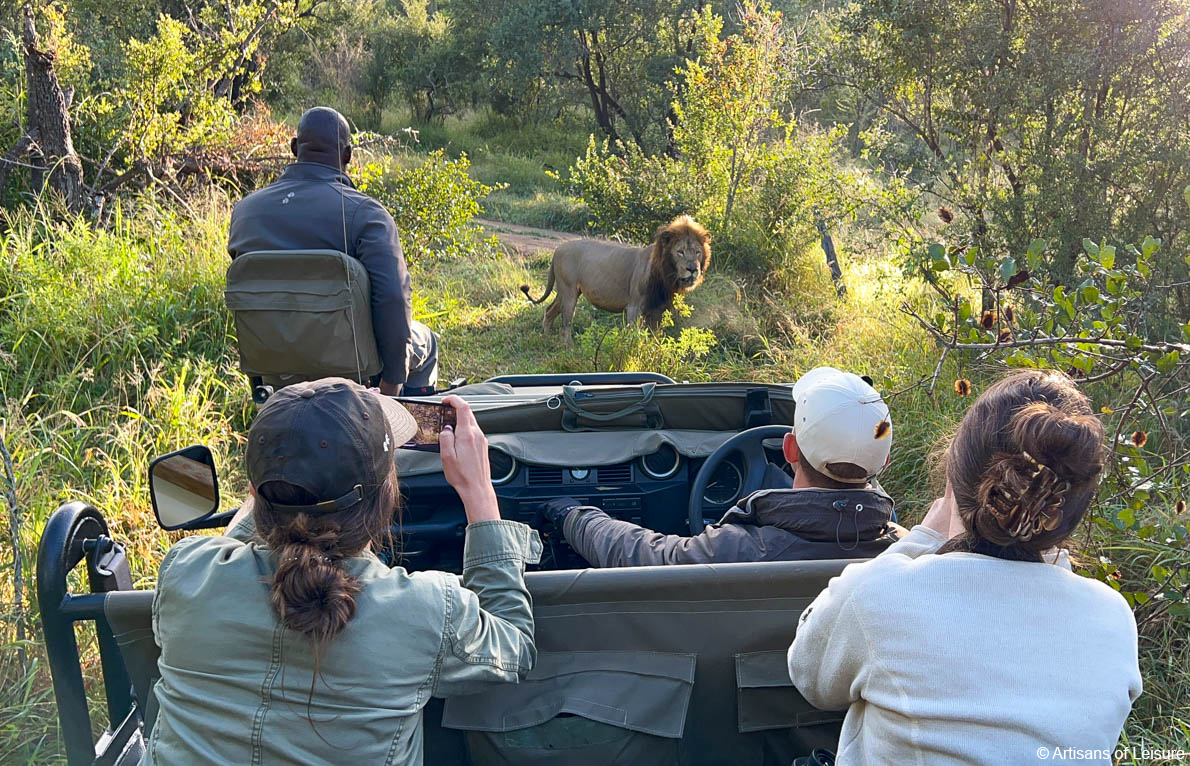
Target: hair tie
[(315, 556)]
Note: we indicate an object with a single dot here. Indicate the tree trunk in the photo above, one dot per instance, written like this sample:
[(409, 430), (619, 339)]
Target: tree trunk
[(49, 118)]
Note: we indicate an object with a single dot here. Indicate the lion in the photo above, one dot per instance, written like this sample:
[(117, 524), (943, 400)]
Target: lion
[(639, 281)]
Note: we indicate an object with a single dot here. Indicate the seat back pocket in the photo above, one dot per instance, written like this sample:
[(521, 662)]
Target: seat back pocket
[(769, 706), (605, 707)]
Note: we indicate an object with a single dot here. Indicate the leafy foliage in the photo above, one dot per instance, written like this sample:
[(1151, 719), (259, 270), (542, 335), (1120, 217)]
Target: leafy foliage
[(1101, 332), (433, 203), (632, 347), (1051, 119), (161, 80), (631, 193)]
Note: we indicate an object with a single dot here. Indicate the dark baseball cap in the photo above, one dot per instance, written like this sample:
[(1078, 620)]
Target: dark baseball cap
[(332, 437)]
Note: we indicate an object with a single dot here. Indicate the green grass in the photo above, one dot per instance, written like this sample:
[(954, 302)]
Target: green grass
[(115, 346), (502, 152)]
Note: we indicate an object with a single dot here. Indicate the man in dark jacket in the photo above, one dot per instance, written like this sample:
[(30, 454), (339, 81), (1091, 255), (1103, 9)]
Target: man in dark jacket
[(315, 206), (840, 441)]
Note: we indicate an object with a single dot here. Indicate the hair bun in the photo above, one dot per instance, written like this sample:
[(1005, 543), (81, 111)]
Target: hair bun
[(1071, 446), (1025, 465), (1022, 494)]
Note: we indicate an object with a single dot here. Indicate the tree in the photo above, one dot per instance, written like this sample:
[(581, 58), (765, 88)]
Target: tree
[(163, 110), (1046, 119), (47, 138), (618, 54), (743, 164), (734, 96)]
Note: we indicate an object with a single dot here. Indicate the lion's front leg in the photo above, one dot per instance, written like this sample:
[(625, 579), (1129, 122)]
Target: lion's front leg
[(652, 319)]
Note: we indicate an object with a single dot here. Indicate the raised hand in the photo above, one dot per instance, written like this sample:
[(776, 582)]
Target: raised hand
[(464, 451)]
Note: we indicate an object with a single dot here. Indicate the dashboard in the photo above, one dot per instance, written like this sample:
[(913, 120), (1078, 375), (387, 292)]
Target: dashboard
[(652, 490)]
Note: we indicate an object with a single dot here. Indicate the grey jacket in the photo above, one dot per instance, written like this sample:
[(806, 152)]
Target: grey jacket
[(315, 207), (237, 687), (769, 525)]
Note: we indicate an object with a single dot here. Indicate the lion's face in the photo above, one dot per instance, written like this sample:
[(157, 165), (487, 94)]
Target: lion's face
[(686, 254)]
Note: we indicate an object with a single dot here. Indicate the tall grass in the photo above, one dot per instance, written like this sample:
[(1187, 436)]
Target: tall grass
[(115, 346)]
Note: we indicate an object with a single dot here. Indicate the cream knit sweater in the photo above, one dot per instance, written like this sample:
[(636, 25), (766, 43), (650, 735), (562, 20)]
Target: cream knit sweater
[(967, 659)]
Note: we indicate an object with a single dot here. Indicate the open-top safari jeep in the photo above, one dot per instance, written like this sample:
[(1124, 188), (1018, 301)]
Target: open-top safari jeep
[(681, 665)]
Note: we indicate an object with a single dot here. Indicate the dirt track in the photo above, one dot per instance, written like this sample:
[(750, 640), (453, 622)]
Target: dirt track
[(525, 240)]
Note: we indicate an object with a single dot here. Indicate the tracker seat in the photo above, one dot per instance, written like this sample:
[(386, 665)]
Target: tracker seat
[(301, 315)]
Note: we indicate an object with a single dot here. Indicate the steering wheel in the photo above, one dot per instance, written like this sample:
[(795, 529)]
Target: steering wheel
[(749, 444)]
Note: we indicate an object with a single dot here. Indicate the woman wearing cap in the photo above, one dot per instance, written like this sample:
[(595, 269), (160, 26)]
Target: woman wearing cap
[(288, 641), (971, 640)]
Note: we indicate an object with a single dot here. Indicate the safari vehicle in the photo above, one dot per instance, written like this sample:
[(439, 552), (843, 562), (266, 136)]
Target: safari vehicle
[(663, 665)]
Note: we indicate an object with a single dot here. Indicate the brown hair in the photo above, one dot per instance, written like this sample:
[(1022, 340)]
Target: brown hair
[(1024, 466), (819, 479), (311, 592)]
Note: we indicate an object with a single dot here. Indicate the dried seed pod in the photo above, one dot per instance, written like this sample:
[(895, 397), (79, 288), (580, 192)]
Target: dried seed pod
[(962, 387), (1020, 277)]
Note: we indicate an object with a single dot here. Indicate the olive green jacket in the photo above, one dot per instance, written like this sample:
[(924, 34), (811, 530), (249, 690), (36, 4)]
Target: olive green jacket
[(237, 687)]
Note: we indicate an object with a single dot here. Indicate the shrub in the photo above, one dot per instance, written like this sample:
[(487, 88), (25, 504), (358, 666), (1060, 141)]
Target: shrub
[(433, 203), (633, 347), (629, 193)]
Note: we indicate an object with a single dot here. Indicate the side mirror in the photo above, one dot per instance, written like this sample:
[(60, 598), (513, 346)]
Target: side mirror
[(184, 487)]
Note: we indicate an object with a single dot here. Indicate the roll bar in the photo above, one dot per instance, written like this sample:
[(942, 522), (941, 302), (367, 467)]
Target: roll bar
[(74, 532), (582, 379)]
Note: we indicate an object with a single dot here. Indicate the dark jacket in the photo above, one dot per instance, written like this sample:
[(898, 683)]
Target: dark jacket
[(769, 525), (315, 207)]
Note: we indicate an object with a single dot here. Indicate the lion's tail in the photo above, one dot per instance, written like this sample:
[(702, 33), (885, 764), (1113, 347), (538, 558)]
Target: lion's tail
[(549, 288)]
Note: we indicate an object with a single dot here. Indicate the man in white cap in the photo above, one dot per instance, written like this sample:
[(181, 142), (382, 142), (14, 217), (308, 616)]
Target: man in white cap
[(840, 441)]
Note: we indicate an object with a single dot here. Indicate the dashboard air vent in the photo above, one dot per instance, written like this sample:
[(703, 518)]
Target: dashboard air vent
[(540, 475), (615, 474)]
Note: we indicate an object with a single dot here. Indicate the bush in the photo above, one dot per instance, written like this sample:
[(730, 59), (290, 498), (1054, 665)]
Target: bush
[(632, 347), (1106, 333), (433, 203), (745, 169), (631, 194)]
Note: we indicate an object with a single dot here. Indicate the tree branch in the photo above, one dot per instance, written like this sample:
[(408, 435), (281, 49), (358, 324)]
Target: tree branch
[(1065, 340)]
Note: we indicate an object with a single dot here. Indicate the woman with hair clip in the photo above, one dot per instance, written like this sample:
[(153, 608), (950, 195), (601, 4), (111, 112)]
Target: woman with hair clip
[(970, 640), (288, 641)]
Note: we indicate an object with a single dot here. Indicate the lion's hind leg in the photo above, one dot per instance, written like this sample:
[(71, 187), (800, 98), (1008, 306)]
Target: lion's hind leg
[(566, 302), (551, 313)]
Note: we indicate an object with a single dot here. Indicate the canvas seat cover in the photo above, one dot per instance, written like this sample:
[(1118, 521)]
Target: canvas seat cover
[(302, 315), (680, 664)]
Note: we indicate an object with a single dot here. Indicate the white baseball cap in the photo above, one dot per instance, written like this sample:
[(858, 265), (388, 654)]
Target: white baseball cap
[(840, 418)]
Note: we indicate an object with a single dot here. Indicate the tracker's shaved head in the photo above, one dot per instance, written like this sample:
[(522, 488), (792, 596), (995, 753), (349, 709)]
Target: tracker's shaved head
[(323, 136)]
